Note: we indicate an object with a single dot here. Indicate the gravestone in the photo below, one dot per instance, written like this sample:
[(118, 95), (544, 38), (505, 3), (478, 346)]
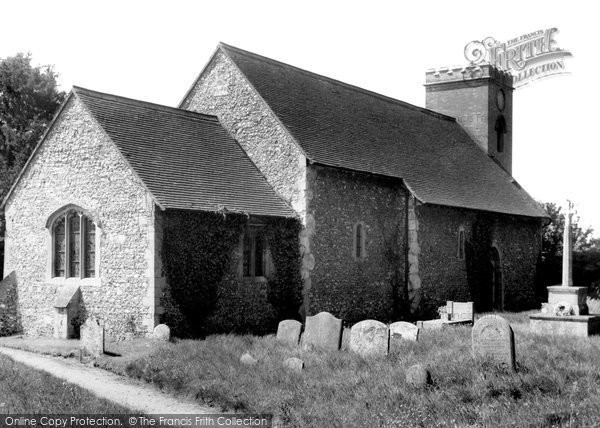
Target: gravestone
[(162, 332), (294, 364), (288, 332), (323, 332), (369, 337), (248, 360), (404, 330), (92, 337), (418, 376), (493, 339), (401, 332)]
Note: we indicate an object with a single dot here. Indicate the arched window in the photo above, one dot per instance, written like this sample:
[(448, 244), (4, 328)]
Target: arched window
[(461, 244), (73, 245), (255, 254), (500, 131), (359, 249)]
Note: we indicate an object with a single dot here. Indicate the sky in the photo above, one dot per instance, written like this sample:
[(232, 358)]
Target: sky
[(153, 51)]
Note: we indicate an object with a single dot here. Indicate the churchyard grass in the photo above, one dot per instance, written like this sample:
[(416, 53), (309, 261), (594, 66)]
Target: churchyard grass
[(26, 391), (557, 381)]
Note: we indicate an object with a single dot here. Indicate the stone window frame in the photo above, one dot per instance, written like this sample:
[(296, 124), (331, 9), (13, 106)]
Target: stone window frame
[(461, 243), (51, 246), (359, 241), (253, 230)]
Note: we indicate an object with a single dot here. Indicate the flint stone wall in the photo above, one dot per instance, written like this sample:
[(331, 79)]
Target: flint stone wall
[(444, 277), (354, 289), (77, 164), (223, 91)]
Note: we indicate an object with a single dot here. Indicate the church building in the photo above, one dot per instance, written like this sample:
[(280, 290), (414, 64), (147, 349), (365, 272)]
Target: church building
[(271, 192)]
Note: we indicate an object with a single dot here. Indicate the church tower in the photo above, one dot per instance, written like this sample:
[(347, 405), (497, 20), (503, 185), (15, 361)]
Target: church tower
[(480, 98)]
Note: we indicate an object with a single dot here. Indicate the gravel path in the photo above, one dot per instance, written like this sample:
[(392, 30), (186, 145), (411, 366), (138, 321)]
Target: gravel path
[(137, 396)]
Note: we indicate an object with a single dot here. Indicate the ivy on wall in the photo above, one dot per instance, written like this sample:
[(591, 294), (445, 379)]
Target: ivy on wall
[(206, 295)]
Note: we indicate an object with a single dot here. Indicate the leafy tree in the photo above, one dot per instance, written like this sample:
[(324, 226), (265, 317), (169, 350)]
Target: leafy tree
[(29, 97), (552, 239)]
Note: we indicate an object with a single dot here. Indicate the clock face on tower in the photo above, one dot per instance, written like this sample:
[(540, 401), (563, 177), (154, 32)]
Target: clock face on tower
[(500, 100)]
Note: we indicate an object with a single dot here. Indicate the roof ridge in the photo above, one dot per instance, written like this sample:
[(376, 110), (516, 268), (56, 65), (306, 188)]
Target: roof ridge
[(339, 82), (146, 104)]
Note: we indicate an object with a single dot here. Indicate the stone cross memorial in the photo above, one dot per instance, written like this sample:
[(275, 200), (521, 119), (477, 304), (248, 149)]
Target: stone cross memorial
[(322, 331), (369, 337), (493, 339), (566, 293), (288, 332)]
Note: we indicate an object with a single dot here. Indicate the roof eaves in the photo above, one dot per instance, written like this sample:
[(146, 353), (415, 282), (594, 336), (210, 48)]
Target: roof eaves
[(134, 172), (291, 210), (35, 150)]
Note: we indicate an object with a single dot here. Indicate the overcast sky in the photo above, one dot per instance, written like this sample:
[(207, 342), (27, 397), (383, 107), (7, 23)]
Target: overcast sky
[(153, 51)]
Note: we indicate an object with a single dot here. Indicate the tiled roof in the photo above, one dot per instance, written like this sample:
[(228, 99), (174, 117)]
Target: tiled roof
[(344, 126), (186, 160)]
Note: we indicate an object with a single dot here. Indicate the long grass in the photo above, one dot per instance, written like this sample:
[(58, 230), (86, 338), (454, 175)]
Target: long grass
[(27, 391), (557, 382)]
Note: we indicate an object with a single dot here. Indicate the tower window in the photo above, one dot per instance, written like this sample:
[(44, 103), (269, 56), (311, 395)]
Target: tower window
[(500, 129)]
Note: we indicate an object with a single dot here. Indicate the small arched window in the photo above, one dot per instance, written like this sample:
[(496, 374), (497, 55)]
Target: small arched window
[(255, 259), (500, 131), (73, 245), (461, 244), (359, 249)]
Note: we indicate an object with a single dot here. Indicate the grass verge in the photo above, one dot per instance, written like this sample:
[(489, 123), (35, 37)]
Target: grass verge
[(27, 391), (557, 383)]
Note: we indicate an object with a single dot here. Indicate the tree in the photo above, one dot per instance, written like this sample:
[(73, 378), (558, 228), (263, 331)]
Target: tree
[(552, 238), (29, 97)]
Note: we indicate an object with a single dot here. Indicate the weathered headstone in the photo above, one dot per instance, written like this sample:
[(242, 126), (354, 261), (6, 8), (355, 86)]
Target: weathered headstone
[(493, 339), (418, 376), (401, 332), (162, 332), (322, 331), (248, 360), (294, 364), (92, 337), (404, 330), (288, 332), (369, 337)]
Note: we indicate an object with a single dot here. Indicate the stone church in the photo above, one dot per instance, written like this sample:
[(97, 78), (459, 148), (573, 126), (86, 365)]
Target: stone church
[(270, 192)]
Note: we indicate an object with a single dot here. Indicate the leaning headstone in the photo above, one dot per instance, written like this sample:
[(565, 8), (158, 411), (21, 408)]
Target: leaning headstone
[(162, 332), (294, 364), (418, 376), (248, 360), (288, 332), (91, 336), (493, 339), (322, 331), (369, 337)]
